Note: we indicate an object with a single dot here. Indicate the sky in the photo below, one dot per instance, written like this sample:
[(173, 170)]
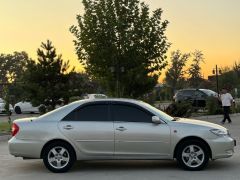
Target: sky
[(212, 26)]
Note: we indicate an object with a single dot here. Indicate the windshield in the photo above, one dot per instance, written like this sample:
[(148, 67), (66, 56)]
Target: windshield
[(162, 115), (208, 92)]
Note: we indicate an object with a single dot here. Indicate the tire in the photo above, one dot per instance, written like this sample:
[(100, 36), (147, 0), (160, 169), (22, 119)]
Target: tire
[(192, 155), (18, 110), (59, 157)]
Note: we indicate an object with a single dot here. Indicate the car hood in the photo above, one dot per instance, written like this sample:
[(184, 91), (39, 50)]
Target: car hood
[(200, 123)]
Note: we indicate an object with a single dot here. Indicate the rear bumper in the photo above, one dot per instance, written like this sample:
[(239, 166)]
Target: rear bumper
[(25, 148), (222, 147)]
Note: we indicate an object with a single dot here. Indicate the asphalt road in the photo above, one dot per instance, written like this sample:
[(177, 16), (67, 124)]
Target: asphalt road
[(12, 168)]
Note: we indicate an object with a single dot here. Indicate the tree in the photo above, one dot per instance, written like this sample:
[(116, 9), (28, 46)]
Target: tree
[(194, 70), (47, 79), (175, 73), (236, 68), (81, 83), (121, 44), (12, 66)]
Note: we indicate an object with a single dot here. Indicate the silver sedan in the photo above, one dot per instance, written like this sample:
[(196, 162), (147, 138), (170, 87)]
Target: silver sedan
[(117, 129)]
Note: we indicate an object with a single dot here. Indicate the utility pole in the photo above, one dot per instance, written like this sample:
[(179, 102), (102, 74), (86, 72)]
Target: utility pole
[(217, 71)]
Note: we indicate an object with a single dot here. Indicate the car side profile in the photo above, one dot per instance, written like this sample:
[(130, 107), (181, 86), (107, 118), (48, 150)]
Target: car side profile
[(110, 129), (25, 107)]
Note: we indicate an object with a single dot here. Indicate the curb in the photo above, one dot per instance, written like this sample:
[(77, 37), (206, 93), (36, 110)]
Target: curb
[(5, 137)]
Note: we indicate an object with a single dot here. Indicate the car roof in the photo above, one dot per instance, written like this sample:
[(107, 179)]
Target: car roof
[(109, 99), (59, 113)]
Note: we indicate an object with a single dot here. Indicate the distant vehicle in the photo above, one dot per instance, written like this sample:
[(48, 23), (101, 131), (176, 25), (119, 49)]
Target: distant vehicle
[(95, 96), (25, 107), (2, 107), (197, 97)]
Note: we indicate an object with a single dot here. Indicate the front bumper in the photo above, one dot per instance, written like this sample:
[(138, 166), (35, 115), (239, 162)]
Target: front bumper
[(222, 147)]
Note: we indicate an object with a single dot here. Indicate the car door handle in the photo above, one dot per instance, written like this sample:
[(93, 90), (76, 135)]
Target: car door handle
[(121, 128), (68, 127)]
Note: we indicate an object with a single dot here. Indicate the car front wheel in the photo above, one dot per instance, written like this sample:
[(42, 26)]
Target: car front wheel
[(18, 110), (59, 157), (192, 155)]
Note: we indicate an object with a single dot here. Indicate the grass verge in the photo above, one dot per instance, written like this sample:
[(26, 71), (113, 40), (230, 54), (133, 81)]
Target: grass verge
[(5, 127)]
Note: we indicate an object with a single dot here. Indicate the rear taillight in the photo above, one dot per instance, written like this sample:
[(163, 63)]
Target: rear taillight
[(15, 129)]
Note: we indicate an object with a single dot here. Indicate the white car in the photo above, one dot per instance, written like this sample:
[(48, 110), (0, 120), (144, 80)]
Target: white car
[(95, 96), (25, 107), (2, 106)]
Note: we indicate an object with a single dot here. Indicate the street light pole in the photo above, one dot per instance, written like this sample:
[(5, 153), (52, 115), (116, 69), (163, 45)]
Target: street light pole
[(117, 70), (217, 71), (217, 79)]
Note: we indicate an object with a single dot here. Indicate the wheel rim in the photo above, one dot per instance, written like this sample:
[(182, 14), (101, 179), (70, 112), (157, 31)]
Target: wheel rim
[(58, 157), (193, 156)]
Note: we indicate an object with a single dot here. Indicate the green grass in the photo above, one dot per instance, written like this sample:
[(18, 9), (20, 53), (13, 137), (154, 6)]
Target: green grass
[(5, 127)]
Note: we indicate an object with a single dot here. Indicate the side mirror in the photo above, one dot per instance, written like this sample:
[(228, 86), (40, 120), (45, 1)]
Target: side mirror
[(156, 120)]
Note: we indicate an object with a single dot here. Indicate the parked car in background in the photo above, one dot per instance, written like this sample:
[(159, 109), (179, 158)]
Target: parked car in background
[(95, 96), (2, 107), (197, 97), (25, 107), (117, 129)]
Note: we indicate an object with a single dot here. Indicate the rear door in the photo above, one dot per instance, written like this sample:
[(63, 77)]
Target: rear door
[(91, 129), (135, 134)]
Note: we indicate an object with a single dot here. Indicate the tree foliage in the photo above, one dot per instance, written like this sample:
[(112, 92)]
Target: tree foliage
[(174, 76), (122, 44), (47, 79), (12, 66), (194, 71)]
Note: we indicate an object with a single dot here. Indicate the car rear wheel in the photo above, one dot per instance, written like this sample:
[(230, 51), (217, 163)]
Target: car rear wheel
[(18, 110), (59, 157), (192, 155)]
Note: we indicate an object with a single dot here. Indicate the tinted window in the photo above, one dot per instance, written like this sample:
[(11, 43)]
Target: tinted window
[(199, 94), (188, 92), (97, 112), (130, 113)]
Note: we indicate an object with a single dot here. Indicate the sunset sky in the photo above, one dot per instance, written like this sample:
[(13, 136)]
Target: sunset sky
[(212, 26)]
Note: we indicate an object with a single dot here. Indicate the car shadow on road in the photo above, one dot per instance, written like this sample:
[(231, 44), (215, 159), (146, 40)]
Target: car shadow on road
[(31, 166), (125, 165)]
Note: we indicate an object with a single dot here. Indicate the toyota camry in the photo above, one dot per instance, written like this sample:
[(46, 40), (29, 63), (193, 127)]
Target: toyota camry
[(110, 129)]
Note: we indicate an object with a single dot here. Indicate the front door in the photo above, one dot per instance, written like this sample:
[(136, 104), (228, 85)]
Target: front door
[(91, 129), (135, 134)]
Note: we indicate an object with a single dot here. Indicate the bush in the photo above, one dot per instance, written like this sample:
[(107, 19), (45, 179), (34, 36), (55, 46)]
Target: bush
[(74, 98), (213, 106), (236, 108), (183, 109), (42, 109)]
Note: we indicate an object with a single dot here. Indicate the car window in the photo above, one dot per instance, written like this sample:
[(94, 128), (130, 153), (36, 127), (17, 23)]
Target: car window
[(128, 113), (209, 92), (96, 112), (188, 92), (100, 96), (199, 94)]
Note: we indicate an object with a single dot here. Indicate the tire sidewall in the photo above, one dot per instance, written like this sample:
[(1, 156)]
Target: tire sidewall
[(71, 155), (17, 110), (183, 145)]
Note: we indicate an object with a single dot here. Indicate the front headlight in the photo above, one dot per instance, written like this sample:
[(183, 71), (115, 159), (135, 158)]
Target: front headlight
[(219, 132)]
